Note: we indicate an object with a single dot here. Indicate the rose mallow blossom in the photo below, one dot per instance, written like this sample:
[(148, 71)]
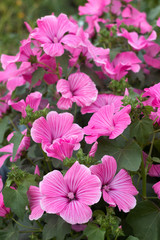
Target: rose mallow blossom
[(70, 196), (154, 95), (79, 89), (58, 134), (53, 32), (107, 122), (103, 100), (3, 210), (8, 149), (117, 190), (156, 188), (33, 100)]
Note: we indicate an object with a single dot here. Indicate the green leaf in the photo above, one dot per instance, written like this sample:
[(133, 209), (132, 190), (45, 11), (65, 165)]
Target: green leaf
[(3, 127), (154, 13), (16, 199), (63, 61), (37, 75), (16, 140), (93, 232), (126, 153), (54, 227), (132, 238), (141, 130), (155, 159), (9, 233), (145, 221)]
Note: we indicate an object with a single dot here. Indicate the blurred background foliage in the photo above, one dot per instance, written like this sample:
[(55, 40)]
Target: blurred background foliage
[(14, 13)]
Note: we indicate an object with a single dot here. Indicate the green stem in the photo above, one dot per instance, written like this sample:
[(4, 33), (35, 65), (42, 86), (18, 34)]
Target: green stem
[(144, 189), (57, 71), (150, 153), (14, 126), (47, 66), (75, 110), (24, 225)]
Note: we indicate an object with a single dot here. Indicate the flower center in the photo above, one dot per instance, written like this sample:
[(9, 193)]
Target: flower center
[(106, 188), (71, 195), (55, 40)]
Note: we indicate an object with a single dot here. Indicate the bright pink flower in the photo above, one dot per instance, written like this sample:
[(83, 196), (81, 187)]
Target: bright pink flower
[(136, 41), (93, 24), (116, 7), (117, 190), (93, 150), (71, 195), (79, 89), (3, 210), (152, 57), (158, 22), (131, 16), (102, 100), (34, 197), (33, 100), (107, 122), (154, 169), (51, 34), (156, 188), (94, 7), (119, 67), (57, 134), (8, 149), (154, 95), (36, 171)]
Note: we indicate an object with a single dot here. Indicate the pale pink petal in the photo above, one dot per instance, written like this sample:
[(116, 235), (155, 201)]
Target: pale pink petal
[(105, 170), (19, 106), (64, 103), (107, 198), (55, 192), (33, 100), (76, 212), (59, 124), (53, 49), (93, 150), (156, 188), (40, 131), (85, 186), (123, 200), (3, 159), (34, 197), (64, 88)]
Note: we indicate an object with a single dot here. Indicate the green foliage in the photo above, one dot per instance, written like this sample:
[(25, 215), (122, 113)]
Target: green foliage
[(141, 130), (37, 75), (3, 127), (93, 232), (9, 233), (55, 227), (126, 153), (16, 140), (145, 221)]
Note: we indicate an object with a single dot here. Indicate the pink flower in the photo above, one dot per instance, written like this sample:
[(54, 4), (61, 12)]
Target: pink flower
[(1, 183), (154, 95), (121, 64), (107, 122), (156, 188), (102, 100), (57, 134), (158, 22), (79, 88), (8, 149), (51, 34), (137, 42), (71, 195), (3, 210), (34, 197), (94, 7), (117, 190), (154, 169), (152, 57), (93, 150), (33, 100), (36, 171)]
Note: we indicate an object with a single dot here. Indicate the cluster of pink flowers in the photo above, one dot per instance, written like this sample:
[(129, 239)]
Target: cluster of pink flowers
[(72, 195)]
